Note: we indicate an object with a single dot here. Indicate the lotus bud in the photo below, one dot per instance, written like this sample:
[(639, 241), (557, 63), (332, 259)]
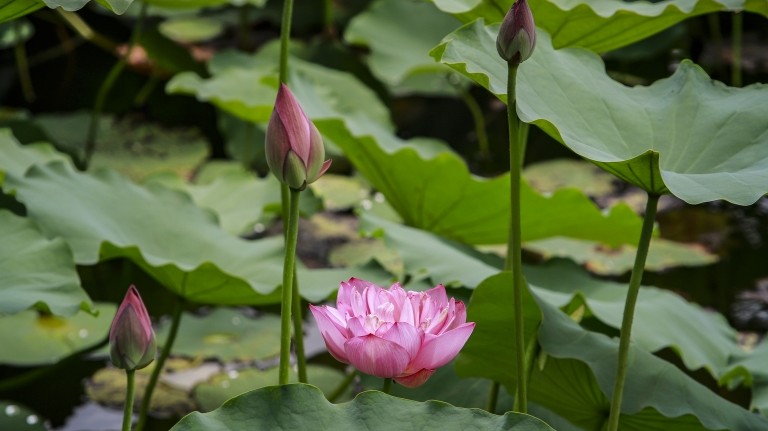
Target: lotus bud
[(517, 35), (294, 147), (131, 338)]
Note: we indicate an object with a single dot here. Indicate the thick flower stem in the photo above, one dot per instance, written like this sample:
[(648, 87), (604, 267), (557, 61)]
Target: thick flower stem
[(493, 397), (106, 87), (285, 38), (629, 310), (387, 386), (160, 364), (22, 65), (514, 254), (128, 411), (736, 31), (291, 236)]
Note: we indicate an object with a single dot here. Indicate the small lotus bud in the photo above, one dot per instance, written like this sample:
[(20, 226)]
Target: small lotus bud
[(131, 338), (517, 35), (294, 147)]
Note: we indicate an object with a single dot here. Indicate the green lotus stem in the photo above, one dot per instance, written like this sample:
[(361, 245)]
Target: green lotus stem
[(493, 397), (629, 309), (242, 28), (22, 66), (387, 386), (83, 29), (736, 31), (146, 90), (106, 86), (328, 17), (479, 122), (713, 21), (298, 330), (159, 364), (285, 38), (339, 391), (514, 253), (129, 389), (288, 269)]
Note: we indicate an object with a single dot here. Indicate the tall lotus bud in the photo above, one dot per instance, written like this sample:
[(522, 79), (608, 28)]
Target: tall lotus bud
[(517, 35), (294, 147), (131, 338)]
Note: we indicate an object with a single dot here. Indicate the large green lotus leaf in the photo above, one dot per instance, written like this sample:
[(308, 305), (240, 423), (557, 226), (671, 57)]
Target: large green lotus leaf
[(221, 387), (703, 339), (476, 210), (663, 319), (487, 348), (400, 35), (750, 368), (12, 9), (19, 418), (685, 134), (116, 6), (45, 339), (173, 240), (426, 254), (236, 197), (226, 335), (574, 376), (658, 395), (600, 25), (246, 85), (599, 259), (35, 271), (299, 406), (18, 158), (134, 148)]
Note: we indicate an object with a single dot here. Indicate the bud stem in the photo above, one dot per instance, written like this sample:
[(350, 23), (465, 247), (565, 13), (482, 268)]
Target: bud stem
[(291, 237), (128, 411), (629, 309), (285, 38), (514, 254)]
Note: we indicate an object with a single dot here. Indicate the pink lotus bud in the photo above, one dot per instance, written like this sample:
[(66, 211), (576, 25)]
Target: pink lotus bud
[(517, 35), (294, 148), (392, 333), (131, 339)]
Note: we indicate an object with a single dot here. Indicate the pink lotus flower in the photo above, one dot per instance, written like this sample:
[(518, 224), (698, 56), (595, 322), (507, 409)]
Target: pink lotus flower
[(517, 35), (131, 338), (391, 333), (294, 147)]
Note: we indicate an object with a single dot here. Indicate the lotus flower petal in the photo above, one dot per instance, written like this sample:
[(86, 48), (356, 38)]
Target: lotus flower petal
[(416, 379), (438, 350), (377, 356), (333, 335)]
